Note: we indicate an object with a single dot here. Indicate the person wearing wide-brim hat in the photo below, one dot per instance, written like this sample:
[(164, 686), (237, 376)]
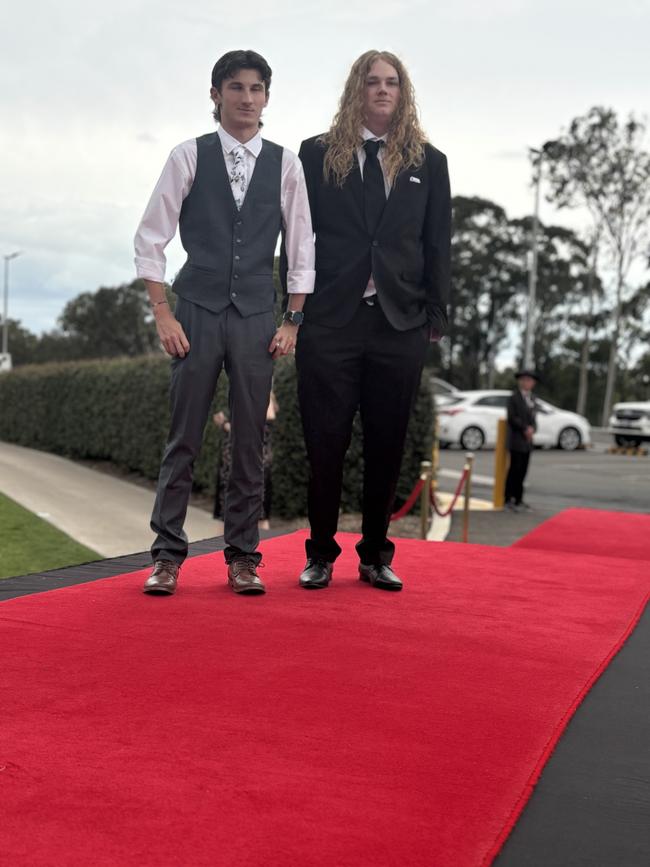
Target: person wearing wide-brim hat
[(521, 429)]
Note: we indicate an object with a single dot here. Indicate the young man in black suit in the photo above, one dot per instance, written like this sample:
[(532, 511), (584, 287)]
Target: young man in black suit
[(521, 429), (380, 204)]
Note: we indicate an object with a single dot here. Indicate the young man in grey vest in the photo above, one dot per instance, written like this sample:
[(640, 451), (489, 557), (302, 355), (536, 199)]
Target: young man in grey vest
[(230, 193)]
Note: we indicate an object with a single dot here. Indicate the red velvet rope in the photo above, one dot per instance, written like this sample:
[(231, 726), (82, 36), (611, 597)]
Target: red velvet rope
[(408, 505), (415, 493), (454, 500)]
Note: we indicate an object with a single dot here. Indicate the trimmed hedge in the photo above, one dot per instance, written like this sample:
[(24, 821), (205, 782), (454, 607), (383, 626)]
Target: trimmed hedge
[(114, 410), (117, 410)]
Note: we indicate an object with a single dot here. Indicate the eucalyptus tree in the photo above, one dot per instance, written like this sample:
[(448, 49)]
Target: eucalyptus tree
[(488, 266), (601, 164)]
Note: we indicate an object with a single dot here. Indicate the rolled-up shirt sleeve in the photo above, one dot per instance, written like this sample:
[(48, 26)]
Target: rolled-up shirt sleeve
[(160, 219), (296, 219)]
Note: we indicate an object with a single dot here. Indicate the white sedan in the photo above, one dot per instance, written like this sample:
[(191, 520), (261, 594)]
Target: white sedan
[(469, 419)]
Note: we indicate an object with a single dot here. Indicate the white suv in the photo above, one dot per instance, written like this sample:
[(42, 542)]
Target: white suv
[(629, 423)]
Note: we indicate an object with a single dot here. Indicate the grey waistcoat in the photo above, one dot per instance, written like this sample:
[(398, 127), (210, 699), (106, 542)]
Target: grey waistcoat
[(230, 252)]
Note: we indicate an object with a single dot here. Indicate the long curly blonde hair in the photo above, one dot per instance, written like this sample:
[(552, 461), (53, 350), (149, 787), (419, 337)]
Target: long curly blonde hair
[(406, 139)]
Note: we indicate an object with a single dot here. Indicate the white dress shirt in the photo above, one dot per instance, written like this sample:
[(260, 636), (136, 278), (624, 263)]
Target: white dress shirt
[(160, 220), (361, 157)]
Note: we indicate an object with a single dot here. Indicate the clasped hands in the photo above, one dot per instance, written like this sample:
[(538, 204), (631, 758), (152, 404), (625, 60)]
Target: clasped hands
[(284, 340), (175, 343)]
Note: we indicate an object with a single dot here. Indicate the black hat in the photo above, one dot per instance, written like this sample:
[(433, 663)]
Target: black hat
[(526, 372)]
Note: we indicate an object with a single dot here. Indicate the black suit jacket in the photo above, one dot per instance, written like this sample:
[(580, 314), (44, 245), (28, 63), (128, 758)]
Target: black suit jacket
[(408, 256), (520, 417)]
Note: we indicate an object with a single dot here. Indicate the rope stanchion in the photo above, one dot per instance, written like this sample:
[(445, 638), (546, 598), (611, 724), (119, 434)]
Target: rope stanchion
[(408, 505), (469, 463), (454, 500), (425, 478), (425, 488)]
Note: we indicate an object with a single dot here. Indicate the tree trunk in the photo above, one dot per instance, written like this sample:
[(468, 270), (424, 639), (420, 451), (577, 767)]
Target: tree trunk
[(491, 369), (583, 387), (611, 366)]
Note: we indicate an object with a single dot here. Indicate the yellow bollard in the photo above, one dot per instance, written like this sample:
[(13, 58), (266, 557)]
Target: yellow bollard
[(425, 476), (500, 465), (469, 463)]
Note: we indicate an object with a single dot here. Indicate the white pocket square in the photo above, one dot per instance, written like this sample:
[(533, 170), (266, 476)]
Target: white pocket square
[(415, 180)]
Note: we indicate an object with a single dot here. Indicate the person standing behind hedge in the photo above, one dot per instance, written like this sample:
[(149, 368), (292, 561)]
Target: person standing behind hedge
[(230, 192), (380, 201)]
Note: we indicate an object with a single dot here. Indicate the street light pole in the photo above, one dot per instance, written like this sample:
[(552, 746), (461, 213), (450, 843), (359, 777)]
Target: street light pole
[(5, 314), (532, 273)]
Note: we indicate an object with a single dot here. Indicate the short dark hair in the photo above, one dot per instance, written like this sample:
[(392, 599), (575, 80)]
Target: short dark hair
[(230, 64)]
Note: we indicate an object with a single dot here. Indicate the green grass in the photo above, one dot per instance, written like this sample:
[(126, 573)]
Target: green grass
[(29, 544)]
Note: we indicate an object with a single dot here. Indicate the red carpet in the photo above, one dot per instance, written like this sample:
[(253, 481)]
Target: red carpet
[(339, 727), (591, 531)]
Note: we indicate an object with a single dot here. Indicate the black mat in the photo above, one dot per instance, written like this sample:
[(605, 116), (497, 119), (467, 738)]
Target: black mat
[(39, 582), (591, 807)]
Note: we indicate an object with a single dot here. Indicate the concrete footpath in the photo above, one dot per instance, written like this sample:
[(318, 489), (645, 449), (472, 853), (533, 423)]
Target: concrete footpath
[(107, 514)]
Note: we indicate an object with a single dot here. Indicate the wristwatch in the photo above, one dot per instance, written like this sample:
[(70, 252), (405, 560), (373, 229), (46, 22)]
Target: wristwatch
[(295, 317)]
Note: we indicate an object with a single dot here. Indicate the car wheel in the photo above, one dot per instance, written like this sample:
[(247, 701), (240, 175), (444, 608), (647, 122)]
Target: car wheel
[(627, 442), (569, 439), (472, 439)]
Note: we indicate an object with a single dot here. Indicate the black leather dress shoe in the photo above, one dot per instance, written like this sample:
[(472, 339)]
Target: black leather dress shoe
[(380, 576), (316, 574)]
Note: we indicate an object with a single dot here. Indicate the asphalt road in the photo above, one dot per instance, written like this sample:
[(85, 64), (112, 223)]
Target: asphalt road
[(589, 478)]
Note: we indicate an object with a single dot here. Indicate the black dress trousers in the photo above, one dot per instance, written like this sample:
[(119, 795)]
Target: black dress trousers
[(516, 475), (369, 366)]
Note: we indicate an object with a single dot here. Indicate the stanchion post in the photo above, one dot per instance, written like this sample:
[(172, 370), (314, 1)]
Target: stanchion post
[(500, 465), (435, 457), (469, 463), (425, 476)]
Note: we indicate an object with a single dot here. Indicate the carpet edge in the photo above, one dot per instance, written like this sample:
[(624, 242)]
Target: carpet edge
[(553, 741)]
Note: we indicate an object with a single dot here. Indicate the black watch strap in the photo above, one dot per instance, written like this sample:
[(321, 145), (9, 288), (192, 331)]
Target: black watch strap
[(295, 317)]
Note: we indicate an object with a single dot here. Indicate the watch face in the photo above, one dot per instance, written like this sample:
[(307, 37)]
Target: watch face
[(296, 317)]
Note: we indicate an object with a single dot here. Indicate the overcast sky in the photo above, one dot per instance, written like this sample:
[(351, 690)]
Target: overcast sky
[(94, 96)]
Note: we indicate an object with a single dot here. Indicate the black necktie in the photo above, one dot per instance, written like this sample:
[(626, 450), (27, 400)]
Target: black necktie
[(374, 191)]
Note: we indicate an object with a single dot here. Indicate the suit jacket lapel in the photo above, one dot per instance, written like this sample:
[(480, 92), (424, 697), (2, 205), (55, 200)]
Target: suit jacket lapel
[(394, 196)]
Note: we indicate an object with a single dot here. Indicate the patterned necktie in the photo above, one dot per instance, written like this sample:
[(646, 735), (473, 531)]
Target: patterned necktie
[(238, 175), (374, 191)]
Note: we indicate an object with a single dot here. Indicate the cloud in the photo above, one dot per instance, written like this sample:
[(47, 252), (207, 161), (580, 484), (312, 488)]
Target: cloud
[(90, 115)]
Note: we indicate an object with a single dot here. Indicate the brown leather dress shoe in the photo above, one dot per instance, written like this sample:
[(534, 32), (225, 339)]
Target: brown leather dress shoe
[(163, 579), (243, 577)]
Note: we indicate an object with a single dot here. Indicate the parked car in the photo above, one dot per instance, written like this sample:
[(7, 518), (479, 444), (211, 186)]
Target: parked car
[(469, 419), (442, 390), (629, 423)]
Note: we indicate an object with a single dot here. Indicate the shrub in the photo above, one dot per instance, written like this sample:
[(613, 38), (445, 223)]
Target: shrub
[(113, 410), (118, 410)]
